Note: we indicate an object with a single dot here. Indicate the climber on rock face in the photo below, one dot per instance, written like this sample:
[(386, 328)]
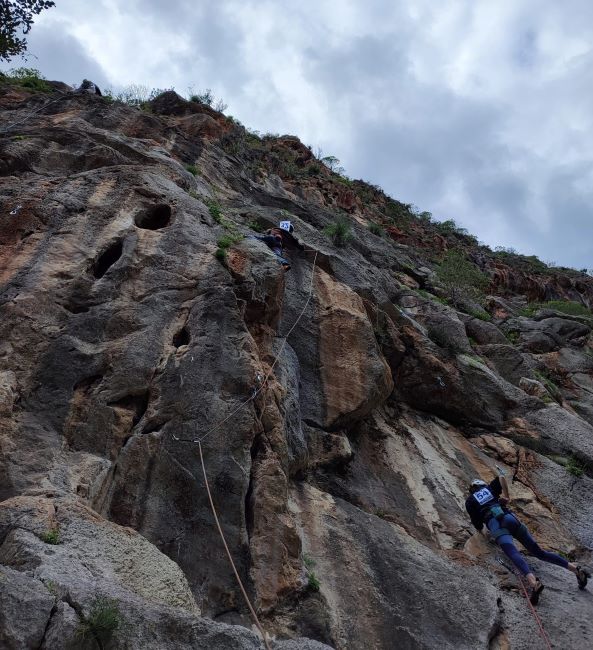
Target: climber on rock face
[(279, 238), (486, 504), (88, 87)]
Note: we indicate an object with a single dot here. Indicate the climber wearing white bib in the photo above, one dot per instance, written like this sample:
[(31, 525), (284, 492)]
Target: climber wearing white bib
[(486, 504)]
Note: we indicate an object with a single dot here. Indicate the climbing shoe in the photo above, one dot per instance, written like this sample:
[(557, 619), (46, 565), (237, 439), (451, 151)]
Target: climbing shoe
[(286, 267), (534, 592), (582, 576)]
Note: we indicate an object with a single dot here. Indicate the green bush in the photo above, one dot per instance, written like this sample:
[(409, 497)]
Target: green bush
[(29, 78), (574, 467), (215, 210), (255, 225), (566, 307), (226, 241), (461, 279), (481, 315), (513, 336), (192, 169), (308, 561), (51, 536), (313, 581), (376, 229), (550, 385), (103, 621), (339, 231)]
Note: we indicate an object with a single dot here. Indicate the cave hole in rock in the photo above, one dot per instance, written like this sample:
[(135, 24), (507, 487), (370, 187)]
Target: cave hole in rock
[(135, 403), (154, 218), (75, 308), (181, 338), (87, 384), (107, 258)]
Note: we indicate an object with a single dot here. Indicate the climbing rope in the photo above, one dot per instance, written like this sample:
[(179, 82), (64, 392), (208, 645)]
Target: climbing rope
[(531, 607), (230, 557), (199, 440), (263, 382), (45, 105)]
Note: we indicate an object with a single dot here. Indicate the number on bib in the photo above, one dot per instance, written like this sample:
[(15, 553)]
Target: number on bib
[(483, 496)]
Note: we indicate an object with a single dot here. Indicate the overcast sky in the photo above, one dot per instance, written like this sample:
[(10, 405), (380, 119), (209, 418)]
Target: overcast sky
[(478, 111)]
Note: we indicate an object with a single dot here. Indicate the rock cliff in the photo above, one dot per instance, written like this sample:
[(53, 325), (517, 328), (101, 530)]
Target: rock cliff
[(139, 314)]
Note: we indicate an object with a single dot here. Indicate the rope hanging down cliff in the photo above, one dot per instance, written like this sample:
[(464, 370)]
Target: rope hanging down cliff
[(199, 440), (267, 376), (534, 613)]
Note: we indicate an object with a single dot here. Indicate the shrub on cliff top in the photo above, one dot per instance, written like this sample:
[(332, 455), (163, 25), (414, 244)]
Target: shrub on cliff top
[(29, 78)]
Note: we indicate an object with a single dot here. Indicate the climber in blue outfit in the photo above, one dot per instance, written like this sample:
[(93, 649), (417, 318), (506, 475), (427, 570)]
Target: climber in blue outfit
[(486, 504)]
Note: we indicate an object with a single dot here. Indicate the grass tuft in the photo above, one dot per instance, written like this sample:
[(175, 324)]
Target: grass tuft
[(574, 467), (339, 232), (103, 621), (51, 536)]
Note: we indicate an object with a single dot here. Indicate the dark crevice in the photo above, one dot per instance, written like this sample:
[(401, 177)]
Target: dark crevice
[(152, 427), (136, 403), (76, 308), (155, 218), (85, 385), (107, 258), (181, 338), (53, 611), (256, 449)]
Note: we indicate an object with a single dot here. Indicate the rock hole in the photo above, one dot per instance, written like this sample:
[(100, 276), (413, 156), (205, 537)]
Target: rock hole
[(107, 259), (181, 338), (85, 385), (75, 308), (136, 403), (154, 218)]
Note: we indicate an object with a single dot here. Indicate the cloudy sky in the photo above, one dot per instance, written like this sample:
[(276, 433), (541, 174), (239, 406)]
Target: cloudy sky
[(476, 110)]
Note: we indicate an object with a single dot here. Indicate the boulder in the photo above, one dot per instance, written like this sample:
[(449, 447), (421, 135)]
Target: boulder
[(510, 363), (25, 609)]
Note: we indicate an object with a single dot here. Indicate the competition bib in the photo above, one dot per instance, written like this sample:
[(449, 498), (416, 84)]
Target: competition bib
[(285, 225), (483, 496)]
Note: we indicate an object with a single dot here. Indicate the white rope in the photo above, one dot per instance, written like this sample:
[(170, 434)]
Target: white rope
[(263, 383), (219, 424), (10, 126)]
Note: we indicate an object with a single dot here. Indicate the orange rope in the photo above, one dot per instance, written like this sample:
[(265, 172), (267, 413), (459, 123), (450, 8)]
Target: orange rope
[(219, 424), (535, 615), (226, 548), (531, 607)]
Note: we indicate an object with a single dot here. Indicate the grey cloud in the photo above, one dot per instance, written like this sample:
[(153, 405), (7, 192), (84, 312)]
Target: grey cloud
[(60, 57), (501, 159)]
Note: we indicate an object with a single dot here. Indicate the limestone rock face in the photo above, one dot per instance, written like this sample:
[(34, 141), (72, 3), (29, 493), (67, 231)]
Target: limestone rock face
[(340, 409)]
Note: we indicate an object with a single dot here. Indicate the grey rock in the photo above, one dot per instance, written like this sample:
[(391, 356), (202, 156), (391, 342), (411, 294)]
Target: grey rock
[(483, 332), (62, 630), (508, 361), (300, 644), (25, 609), (563, 432), (533, 387), (548, 334)]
